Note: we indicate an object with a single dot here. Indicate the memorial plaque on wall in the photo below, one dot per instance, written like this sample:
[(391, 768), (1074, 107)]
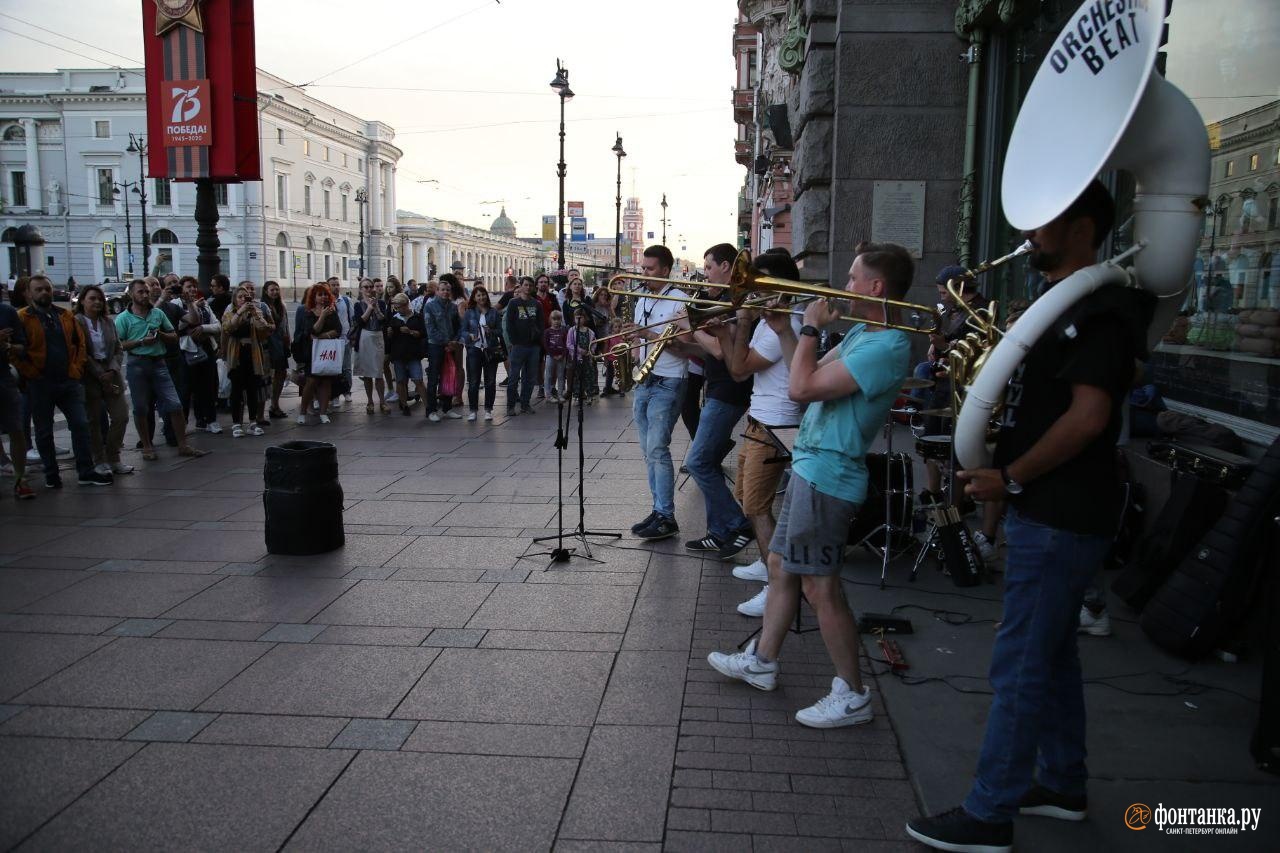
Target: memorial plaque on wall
[(897, 214)]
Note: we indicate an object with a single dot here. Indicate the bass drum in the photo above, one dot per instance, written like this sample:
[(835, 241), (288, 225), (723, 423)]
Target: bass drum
[(897, 474)]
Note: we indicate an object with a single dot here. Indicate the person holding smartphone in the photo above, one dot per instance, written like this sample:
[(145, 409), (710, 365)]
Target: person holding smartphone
[(143, 331)]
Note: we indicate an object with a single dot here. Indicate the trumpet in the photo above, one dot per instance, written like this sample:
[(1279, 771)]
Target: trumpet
[(745, 282)]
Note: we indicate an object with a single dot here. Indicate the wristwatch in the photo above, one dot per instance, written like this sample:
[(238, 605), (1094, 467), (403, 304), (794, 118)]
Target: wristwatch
[(811, 331), (1011, 485)]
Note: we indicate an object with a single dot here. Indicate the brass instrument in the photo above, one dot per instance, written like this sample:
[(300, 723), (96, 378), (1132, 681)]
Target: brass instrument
[(967, 356), (657, 345), (745, 282)]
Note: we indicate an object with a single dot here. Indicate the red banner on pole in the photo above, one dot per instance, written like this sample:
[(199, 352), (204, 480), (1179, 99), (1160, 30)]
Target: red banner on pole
[(202, 94)]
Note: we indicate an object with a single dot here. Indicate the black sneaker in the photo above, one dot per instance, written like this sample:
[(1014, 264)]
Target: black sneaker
[(660, 528), (1041, 801), (960, 831), (93, 478), (706, 543), (734, 546), (53, 482), (648, 519)]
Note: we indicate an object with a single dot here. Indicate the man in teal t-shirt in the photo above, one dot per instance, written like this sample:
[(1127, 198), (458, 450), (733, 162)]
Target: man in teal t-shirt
[(850, 392)]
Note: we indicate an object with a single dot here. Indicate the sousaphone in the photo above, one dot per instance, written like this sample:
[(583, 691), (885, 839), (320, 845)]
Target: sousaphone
[(1096, 105)]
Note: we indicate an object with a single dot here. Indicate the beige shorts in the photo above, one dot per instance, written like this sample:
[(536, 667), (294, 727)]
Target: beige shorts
[(758, 478)]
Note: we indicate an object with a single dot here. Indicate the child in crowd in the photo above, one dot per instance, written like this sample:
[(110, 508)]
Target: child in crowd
[(404, 348), (579, 344), (553, 344)]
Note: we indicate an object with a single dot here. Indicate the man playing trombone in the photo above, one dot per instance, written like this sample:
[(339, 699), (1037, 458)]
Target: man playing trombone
[(851, 391)]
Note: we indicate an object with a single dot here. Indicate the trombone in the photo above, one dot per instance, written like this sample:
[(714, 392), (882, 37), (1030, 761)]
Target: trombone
[(698, 320), (745, 282)]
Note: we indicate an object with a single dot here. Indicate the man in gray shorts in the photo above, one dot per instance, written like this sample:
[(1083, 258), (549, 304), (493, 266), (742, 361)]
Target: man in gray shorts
[(851, 391)]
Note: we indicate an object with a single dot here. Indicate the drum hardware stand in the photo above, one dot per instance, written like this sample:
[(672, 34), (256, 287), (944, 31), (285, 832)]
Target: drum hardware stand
[(796, 627), (560, 554), (890, 529)]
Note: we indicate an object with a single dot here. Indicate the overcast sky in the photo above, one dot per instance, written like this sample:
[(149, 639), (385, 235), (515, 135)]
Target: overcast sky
[(660, 72)]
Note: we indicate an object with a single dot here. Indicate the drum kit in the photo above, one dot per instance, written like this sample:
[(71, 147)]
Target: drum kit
[(888, 520)]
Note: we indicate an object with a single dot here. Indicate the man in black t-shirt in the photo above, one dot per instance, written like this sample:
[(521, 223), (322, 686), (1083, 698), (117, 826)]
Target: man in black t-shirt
[(1055, 466), (728, 530)]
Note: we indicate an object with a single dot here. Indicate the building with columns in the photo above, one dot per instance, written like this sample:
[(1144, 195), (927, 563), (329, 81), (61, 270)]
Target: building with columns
[(65, 169)]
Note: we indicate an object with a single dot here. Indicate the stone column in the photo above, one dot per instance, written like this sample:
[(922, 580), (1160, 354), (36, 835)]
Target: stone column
[(391, 198), (375, 194), (35, 188)]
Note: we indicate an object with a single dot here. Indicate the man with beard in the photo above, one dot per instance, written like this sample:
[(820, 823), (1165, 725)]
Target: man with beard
[(1055, 466)]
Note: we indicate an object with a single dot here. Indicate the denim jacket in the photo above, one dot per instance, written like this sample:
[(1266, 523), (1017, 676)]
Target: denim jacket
[(470, 332), (439, 315)]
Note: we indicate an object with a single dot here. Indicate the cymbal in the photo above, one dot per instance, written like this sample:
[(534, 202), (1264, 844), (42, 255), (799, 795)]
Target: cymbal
[(937, 413), (914, 384)]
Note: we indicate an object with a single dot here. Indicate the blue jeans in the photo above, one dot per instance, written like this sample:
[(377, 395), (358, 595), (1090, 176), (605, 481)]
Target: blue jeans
[(435, 366), (1037, 719), (656, 408), (710, 444), (524, 372), (68, 396)]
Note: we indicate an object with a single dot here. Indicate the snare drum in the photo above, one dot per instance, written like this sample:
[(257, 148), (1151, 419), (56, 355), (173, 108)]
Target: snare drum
[(895, 473), (936, 448)]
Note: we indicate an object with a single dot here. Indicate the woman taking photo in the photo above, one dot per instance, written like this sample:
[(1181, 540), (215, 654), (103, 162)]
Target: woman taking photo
[(244, 330), (484, 352), (369, 339), (277, 345), (317, 321), (103, 382)]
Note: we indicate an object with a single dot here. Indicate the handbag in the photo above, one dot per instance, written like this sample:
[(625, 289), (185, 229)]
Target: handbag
[(449, 384), (326, 357)]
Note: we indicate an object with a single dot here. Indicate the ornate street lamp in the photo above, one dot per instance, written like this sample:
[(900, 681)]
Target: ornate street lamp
[(138, 145), (617, 231), (664, 218), (561, 85)]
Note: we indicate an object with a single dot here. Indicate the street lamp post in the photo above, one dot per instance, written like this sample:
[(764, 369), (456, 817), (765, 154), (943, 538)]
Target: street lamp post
[(561, 85), (122, 190), (617, 230), (1214, 211), (362, 198), (138, 145), (664, 218)]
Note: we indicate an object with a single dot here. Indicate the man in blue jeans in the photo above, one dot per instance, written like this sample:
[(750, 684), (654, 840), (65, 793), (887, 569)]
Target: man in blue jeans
[(1055, 465), (522, 328), (53, 363), (439, 314), (728, 530), (657, 402)]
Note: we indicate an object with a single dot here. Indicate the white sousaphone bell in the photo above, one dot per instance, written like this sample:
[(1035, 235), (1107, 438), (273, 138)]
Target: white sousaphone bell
[(1096, 105)]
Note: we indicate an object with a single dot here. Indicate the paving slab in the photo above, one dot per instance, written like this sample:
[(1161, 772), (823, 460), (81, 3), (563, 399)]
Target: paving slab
[(55, 721), (179, 797), (272, 730), (20, 587), (406, 604), (123, 594), (147, 672), (556, 607), (420, 801), (622, 787), (374, 734), (28, 659), (328, 680), (510, 686), (645, 689), (173, 726), (262, 599), (42, 776)]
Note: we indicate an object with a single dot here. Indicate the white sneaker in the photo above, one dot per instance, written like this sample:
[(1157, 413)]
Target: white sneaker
[(471, 416), (840, 707), (61, 451), (315, 405), (334, 405), (434, 417), (33, 455), (214, 427), (392, 397), (756, 571), (488, 415), (302, 420), (754, 606), (453, 415), (745, 666), (986, 548), (121, 468), (1098, 625), (324, 419), (254, 429), (104, 468), (347, 397), (6, 470), (237, 431)]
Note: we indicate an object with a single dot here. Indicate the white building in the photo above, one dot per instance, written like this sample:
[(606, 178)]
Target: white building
[(65, 168)]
